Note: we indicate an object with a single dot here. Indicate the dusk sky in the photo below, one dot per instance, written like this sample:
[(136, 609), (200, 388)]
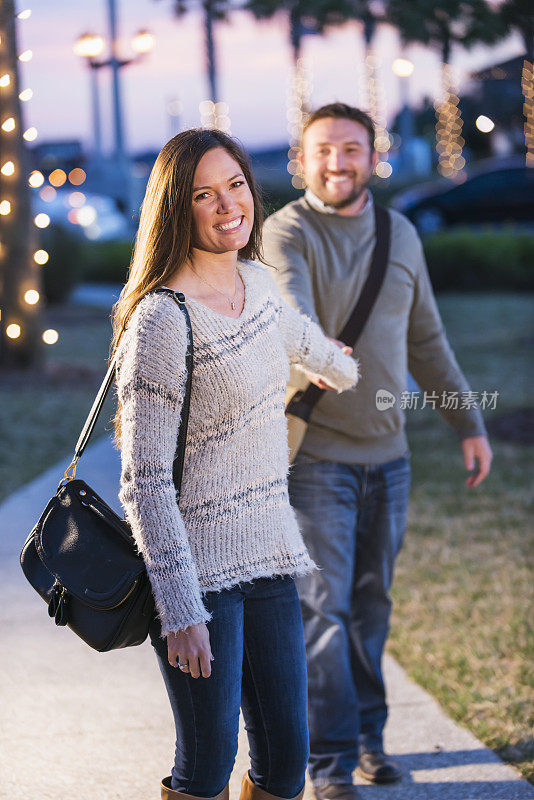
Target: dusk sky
[(254, 69)]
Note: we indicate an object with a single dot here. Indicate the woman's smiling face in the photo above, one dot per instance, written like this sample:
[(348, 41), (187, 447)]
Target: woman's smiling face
[(223, 206)]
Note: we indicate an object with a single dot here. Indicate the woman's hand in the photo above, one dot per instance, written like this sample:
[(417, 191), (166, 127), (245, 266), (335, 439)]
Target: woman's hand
[(316, 379), (190, 650)]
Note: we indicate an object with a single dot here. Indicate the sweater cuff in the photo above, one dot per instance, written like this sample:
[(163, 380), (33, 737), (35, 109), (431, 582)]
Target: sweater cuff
[(178, 603)]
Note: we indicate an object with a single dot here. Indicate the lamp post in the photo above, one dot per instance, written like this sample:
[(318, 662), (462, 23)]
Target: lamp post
[(90, 46), (404, 68)]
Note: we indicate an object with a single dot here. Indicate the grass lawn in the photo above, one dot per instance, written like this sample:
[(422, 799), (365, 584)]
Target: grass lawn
[(464, 578), (42, 414), (463, 588)]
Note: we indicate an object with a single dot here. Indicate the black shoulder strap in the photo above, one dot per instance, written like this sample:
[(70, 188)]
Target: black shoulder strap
[(303, 402), (96, 408)]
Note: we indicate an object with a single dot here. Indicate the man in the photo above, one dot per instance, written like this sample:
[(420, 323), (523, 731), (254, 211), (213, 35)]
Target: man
[(350, 482)]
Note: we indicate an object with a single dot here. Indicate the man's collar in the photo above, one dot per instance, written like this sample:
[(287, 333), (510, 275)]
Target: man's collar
[(324, 208)]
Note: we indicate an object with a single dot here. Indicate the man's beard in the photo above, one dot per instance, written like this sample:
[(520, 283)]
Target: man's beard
[(358, 189)]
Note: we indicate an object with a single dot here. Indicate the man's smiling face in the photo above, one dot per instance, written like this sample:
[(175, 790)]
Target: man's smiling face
[(337, 161)]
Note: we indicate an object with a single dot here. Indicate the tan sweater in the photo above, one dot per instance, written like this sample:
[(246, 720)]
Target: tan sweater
[(234, 523), (321, 260)]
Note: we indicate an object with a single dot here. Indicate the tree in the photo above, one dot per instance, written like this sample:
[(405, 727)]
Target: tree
[(213, 11), (464, 22), (519, 15), (18, 271)]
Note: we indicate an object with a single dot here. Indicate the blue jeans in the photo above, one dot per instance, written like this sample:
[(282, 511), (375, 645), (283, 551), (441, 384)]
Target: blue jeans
[(259, 664), (353, 519)]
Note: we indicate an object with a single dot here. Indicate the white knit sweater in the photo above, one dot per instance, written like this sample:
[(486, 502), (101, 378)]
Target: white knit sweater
[(235, 522)]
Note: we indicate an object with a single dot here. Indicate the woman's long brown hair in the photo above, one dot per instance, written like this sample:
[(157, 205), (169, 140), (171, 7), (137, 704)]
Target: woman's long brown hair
[(164, 237)]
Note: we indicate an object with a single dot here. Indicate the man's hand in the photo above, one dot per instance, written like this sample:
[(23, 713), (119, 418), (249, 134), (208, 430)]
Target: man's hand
[(316, 379), (477, 459)]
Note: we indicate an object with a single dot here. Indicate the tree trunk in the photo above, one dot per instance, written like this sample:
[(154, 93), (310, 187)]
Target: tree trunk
[(210, 50), (18, 271), (295, 34)]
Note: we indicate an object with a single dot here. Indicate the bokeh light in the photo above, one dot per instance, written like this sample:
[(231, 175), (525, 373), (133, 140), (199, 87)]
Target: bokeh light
[(484, 124), (13, 331), (8, 168), (57, 178), (36, 179), (50, 336), (76, 199), (42, 220), (40, 257), (31, 297), (48, 194), (77, 176)]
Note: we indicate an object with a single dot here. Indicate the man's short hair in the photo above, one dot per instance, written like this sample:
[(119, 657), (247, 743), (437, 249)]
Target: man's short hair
[(343, 111)]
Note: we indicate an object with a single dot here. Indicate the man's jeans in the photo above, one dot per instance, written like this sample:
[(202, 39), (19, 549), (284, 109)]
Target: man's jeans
[(353, 519), (259, 663)]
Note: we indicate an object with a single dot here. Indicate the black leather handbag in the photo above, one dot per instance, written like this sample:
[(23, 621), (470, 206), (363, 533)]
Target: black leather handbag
[(81, 556)]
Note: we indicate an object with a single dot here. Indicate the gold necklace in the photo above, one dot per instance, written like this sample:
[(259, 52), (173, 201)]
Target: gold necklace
[(232, 300)]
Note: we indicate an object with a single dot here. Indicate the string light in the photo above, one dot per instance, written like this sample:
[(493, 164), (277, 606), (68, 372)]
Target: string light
[(449, 142), (13, 331), (298, 109), (30, 135), (36, 179), (376, 107), (40, 257), (42, 220), (527, 84), (8, 168), (215, 115), (50, 336)]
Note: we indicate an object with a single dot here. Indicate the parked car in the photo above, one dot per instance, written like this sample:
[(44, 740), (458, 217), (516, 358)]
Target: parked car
[(91, 216), (496, 191)]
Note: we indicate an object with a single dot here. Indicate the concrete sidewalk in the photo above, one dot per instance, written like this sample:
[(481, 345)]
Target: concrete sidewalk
[(80, 725)]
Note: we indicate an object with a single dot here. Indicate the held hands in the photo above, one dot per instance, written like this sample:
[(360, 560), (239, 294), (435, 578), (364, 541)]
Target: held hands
[(190, 650), (316, 379), (477, 459)]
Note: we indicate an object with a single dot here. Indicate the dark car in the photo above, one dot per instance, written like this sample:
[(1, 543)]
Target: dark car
[(499, 192)]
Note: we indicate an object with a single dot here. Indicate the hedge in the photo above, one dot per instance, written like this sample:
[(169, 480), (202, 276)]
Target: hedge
[(459, 259), (481, 259)]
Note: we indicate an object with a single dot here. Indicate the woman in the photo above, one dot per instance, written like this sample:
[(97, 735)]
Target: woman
[(221, 566)]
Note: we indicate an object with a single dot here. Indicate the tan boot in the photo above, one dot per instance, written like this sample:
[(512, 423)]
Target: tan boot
[(249, 791), (171, 794)]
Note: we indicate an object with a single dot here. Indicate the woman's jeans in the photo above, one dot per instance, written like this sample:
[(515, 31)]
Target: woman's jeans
[(353, 519), (259, 664)]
